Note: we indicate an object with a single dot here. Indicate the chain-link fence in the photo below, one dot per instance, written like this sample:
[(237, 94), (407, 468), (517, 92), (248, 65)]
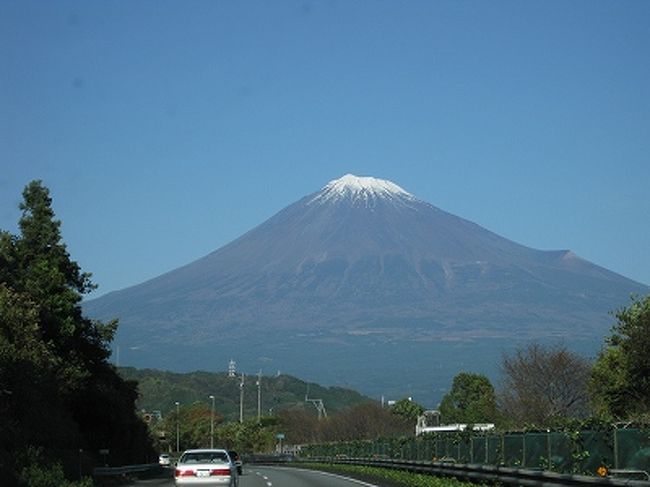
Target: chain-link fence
[(566, 452)]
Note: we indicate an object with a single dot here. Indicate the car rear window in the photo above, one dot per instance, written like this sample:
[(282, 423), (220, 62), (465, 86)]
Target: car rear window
[(205, 457)]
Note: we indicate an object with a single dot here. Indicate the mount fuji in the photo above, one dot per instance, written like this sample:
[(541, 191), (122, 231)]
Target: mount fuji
[(362, 284)]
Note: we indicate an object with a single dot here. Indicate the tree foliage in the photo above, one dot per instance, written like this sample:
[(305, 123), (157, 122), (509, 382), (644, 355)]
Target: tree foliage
[(543, 385), (193, 423), (407, 409), (362, 421), (367, 420), (249, 436), (620, 379), (471, 400), (57, 390)]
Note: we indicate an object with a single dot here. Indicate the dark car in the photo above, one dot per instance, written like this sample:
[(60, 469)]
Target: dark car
[(234, 456)]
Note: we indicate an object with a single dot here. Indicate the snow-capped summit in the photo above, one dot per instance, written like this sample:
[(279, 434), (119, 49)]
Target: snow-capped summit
[(361, 189)]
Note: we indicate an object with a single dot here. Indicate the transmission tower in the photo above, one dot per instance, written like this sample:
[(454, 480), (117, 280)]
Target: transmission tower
[(232, 368), (318, 404)]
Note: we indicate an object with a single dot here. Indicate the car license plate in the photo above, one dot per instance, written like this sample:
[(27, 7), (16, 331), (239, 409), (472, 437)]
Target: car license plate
[(202, 473)]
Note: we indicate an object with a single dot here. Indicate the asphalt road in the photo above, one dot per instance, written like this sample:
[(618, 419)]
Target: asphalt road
[(295, 477), (277, 477)]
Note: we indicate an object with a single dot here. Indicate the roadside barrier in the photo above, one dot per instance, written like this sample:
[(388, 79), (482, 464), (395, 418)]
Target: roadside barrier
[(467, 472), (147, 468), (621, 451)]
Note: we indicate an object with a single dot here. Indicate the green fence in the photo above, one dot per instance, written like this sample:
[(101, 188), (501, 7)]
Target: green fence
[(578, 452)]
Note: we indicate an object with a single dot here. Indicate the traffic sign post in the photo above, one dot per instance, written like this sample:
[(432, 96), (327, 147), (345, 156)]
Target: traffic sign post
[(280, 437)]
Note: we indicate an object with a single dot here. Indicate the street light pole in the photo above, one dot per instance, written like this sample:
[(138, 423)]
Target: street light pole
[(178, 427), (241, 399), (212, 422), (259, 397)]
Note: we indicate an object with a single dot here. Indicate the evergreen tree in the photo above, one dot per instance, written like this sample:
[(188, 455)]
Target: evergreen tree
[(59, 392), (407, 409), (471, 400)]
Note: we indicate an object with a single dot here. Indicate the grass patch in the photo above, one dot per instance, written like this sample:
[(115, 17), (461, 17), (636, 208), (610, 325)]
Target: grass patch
[(395, 477)]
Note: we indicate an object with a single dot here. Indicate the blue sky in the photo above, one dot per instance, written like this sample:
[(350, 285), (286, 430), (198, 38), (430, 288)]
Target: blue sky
[(166, 129)]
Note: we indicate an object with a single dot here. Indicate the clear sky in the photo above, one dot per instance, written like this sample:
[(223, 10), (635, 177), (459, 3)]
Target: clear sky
[(165, 129)]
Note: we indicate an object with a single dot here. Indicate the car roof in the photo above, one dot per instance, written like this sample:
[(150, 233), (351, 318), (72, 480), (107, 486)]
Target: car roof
[(203, 450)]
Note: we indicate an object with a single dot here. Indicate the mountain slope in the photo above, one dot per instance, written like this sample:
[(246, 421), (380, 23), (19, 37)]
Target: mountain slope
[(159, 390), (360, 262)]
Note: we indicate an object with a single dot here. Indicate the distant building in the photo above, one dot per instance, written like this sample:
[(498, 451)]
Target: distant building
[(429, 422)]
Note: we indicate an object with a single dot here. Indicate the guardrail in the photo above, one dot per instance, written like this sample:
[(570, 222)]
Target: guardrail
[(472, 473), (126, 470)]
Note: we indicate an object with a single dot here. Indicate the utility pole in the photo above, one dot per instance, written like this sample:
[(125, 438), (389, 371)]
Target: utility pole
[(259, 396), (178, 426), (241, 399), (212, 422)]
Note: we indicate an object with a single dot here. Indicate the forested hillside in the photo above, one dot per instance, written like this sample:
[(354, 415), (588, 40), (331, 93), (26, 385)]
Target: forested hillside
[(160, 390)]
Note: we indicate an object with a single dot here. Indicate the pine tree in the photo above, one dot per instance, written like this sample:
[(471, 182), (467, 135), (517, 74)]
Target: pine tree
[(59, 392)]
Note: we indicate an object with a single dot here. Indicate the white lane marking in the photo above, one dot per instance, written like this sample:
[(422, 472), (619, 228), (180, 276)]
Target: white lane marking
[(327, 474)]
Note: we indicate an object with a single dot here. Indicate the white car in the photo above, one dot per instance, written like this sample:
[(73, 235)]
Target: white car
[(164, 460), (205, 467)]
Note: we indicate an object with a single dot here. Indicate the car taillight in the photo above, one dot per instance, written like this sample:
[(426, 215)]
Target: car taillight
[(183, 473), (220, 471)]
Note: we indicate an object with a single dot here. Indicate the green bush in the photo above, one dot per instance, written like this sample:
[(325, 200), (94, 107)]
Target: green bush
[(407, 479), (43, 475)]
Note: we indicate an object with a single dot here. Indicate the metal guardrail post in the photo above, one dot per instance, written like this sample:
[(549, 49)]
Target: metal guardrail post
[(616, 466)]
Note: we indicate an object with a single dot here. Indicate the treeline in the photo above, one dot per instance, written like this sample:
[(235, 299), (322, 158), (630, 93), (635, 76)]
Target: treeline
[(61, 401), (547, 387), (190, 426), (160, 390)]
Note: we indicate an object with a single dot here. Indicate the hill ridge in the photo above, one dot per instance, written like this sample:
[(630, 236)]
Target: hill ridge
[(161, 389)]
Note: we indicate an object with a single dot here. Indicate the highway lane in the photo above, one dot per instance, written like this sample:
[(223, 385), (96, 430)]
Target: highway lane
[(295, 477), (275, 477)]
